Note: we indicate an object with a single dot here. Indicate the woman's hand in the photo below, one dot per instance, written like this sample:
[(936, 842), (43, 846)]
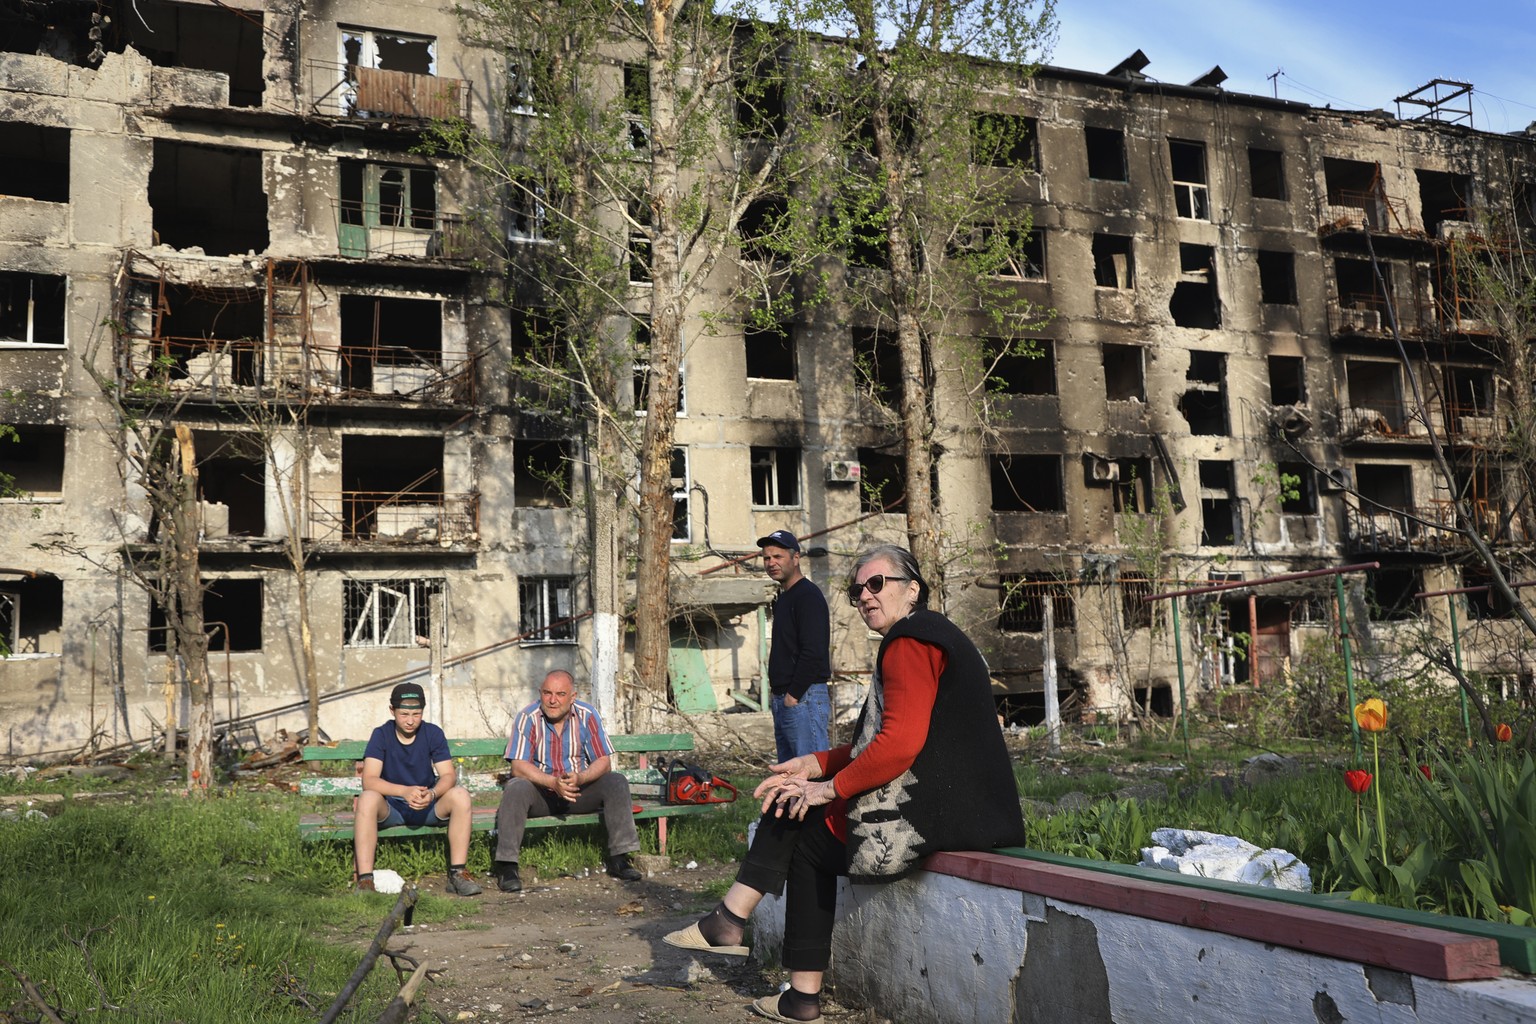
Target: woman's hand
[(798, 796), (797, 769)]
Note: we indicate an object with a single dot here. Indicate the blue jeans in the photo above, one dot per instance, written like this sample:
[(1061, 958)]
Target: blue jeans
[(802, 729)]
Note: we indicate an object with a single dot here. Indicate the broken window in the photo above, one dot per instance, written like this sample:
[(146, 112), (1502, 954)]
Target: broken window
[(1266, 173), (770, 348), (1383, 519), (775, 477), (528, 213), (1298, 488), (34, 458), (639, 242), (1191, 196), (1195, 301), (1363, 298), (760, 100), (1020, 367), (179, 35), (1112, 266), (1022, 599), (392, 488), (386, 209), (391, 346), (1004, 140), (232, 614), (637, 105), (1007, 253), (209, 197), (541, 476), (682, 487), (389, 613), (1277, 277), (1124, 373), (1106, 153), (32, 308), (882, 481), (1375, 397), (231, 482), (1135, 610), (1204, 403), (209, 337), (523, 85), (1389, 593), (877, 364), (1219, 524), (1287, 380), (36, 164), (1444, 197), (640, 346), (761, 227), (1355, 195), (545, 609), (1487, 603), (31, 616), (1469, 400), (389, 73), (1131, 485), (1027, 483)]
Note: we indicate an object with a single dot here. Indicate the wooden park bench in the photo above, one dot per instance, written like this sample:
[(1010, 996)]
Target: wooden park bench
[(647, 787)]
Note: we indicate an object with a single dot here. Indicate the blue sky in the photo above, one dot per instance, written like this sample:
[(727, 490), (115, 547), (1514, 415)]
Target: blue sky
[(1356, 56)]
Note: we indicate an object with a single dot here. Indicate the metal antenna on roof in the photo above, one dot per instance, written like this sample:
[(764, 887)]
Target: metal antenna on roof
[(1274, 80)]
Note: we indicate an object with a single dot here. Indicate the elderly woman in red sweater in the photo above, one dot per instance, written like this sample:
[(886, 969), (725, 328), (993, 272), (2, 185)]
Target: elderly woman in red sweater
[(927, 771)]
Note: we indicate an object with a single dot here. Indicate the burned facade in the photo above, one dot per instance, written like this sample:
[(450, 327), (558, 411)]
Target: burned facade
[(227, 207)]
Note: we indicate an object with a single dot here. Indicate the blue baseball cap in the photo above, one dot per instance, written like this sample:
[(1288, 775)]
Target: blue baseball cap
[(780, 539)]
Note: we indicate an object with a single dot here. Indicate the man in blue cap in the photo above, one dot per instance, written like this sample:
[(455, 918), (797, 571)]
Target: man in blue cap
[(799, 664), (409, 779)]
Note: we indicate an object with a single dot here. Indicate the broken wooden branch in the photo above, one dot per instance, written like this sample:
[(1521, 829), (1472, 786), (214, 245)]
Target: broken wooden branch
[(403, 906), (399, 1008)]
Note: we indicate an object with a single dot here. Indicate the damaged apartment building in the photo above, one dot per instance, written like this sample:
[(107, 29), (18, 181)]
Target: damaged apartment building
[(228, 203)]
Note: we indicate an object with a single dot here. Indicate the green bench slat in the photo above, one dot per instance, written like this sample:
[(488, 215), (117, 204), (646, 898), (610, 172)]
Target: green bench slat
[(642, 782), (338, 824), (496, 746)]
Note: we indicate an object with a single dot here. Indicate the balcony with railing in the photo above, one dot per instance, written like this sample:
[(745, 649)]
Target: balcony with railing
[(373, 230), (1432, 527), (1374, 418), (379, 96), (435, 519), (1348, 210)]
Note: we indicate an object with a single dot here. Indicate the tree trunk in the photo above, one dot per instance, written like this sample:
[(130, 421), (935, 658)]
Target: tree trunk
[(187, 616)]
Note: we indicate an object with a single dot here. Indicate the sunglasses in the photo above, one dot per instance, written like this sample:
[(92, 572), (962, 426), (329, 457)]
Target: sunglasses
[(874, 584)]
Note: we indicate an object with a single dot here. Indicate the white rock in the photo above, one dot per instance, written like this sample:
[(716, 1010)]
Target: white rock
[(691, 865), (1228, 858), (385, 880)]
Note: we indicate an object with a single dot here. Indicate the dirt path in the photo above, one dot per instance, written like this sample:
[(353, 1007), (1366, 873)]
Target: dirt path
[(589, 949)]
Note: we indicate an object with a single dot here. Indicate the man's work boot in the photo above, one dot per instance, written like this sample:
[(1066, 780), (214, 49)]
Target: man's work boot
[(460, 884), (620, 867), (507, 879)]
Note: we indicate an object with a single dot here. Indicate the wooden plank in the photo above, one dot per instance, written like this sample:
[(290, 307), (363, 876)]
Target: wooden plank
[(642, 782), (1415, 949), (338, 824), (496, 746)]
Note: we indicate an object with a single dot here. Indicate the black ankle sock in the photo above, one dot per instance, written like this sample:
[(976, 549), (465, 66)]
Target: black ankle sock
[(365, 874), (799, 1005), (455, 869), (721, 927)]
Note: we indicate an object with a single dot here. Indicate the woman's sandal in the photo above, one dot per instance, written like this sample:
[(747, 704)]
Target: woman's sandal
[(692, 939), (768, 1006)]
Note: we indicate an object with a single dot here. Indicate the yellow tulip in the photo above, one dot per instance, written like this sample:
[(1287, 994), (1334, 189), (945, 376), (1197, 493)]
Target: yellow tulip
[(1371, 715)]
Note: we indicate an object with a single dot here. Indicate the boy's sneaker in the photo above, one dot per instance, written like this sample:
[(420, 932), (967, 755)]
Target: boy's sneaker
[(621, 868), (460, 884), (507, 878), (364, 885)]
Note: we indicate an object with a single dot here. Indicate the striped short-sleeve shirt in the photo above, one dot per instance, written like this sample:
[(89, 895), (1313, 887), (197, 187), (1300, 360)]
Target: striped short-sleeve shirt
[(557, 749)]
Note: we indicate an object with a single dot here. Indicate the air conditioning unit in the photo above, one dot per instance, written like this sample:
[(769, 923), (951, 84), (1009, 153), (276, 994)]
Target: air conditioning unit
[(843, 471), (1333, 480)]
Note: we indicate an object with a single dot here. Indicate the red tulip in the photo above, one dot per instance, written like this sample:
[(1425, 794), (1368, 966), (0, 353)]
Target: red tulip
[(1357, 780), (1503, 733), (1424, 771)]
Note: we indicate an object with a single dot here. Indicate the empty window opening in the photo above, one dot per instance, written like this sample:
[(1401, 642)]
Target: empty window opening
[(1386, 501), (1131, 485), (1191, 196), (542, 475), (390, 613), (637, 105), (392, 487), (1375, 397), (1158, 700), (775, 477), (640, 348), (391, 346), (1355, 194), (639, 242), (36, 164), (32, 307), (32, 617), (1112, 266), (1362, 297), (1468, 399), (1021, 603), (209, 197), (1287, 380), (1008, 253), (386, 209), (1106, 153), (762, 229), (1218, 504), (1124, 373), (882, 481), (209, 337), (1195, 302), (232, 610), (1266, 173), (231, 480), (770, 349), (1277, 277), (1489, 603), (1027, 483), (1004, 140), (682, 486), (1135, 610), (545, 610), (176, 35), (1389, 593), (34, 459), (1020, 367), (1204, 404), (760, 101), (1298, 488), (1444, 197), (877, 364)]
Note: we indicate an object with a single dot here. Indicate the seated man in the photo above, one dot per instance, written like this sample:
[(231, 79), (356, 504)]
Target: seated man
[(562, 763), (408, 779)]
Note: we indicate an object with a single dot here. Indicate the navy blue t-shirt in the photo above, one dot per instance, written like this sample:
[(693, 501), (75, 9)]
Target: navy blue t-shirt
[(408, 764)]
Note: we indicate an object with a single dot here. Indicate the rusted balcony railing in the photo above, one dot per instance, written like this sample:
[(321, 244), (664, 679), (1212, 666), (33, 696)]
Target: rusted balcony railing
[(348, 90), (1379, 417), (390, 517), (1348, 210), (1370, 313), (1378, 529), (372, 230)]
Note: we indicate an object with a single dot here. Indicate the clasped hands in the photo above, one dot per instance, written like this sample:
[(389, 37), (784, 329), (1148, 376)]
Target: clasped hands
[(566, 787), (793, 788), (419, 797)]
